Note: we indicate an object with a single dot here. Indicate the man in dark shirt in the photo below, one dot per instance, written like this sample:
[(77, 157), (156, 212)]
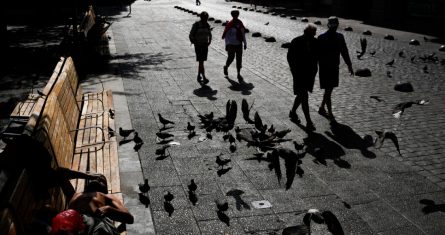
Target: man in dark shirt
[(303, 57), (331, 44)]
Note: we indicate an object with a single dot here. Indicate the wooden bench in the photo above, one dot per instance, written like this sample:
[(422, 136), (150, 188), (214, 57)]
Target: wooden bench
[(74, 127)]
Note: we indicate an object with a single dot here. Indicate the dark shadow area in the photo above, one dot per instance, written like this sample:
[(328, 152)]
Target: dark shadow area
[(124, 141), (240, 203), (223, 217), (244, 88), (431, 206), (322, 148), (162, 157), (206, 91), (347, 137), (223, 171), (193, 197), (168, 207)]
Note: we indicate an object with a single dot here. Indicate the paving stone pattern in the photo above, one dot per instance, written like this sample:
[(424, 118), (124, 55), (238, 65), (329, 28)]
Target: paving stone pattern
[(158, 67)]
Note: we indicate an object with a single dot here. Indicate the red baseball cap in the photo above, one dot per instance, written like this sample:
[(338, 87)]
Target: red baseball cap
[(69, 221)]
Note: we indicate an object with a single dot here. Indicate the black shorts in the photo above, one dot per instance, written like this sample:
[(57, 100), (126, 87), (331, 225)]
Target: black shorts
[(201, 51)]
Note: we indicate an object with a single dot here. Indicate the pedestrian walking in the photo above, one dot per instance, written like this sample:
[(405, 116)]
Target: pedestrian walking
[(332, 44), (234, 36), (303, 58), (201, 36)]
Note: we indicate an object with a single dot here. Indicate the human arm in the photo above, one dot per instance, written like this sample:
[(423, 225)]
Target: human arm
[(70, 174), (345, 54), (193, 33), (115, 210)]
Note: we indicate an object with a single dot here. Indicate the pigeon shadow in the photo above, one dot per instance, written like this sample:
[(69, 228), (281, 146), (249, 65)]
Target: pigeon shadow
[(168, 207), (431, 206), (165, 128), (162, 157), (348, 138), (193, 197), (322, 148), (240, 203), (206, 91), (191, 135), (244, 88), (223, 217), (223, 171), (124, 141), (138, 146)]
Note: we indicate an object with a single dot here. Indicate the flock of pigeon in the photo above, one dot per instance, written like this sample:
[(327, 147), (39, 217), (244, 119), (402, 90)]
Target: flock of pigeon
[(266, 139)]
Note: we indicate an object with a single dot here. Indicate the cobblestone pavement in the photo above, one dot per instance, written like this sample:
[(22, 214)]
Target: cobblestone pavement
[(419, 132), (158, 68)]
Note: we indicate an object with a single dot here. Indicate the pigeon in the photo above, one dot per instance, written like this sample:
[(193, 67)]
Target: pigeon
[(161, 151), (222, 205), (300, 171), (192, 186), (388, 74), (400, 108), (347, 205), (111, 112), (402, 54), (221, 163), (190, 128), (163, 135), (425, 69), (390, 63), (246, 110), (231, 139), (413, 58), (332, 222), (138, 140), (125, 133), (382, 135), (193, 197), (164, 121), (349, 28), (144, 200), (258, 122), (144, 187), (378, 98), (372, 53), (168, 197), (271, 129), (298, 146), (281, 134), (267, 23)]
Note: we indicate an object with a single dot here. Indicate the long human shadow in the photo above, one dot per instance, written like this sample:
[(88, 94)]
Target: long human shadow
[(245, 88), (322, 148), (431, 206), (349, 139), (240, 203), (206, 91)]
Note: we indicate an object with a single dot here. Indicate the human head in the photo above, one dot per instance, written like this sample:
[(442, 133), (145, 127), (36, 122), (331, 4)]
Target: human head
[(67, 222), (235, 14), (97, 185), (204, 16), (333, 23), (310, 30)]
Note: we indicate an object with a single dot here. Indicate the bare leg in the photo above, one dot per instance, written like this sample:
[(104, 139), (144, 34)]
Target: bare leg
[(305, 107)]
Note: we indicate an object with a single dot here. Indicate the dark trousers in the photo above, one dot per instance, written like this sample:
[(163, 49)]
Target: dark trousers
[(232, 51)]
